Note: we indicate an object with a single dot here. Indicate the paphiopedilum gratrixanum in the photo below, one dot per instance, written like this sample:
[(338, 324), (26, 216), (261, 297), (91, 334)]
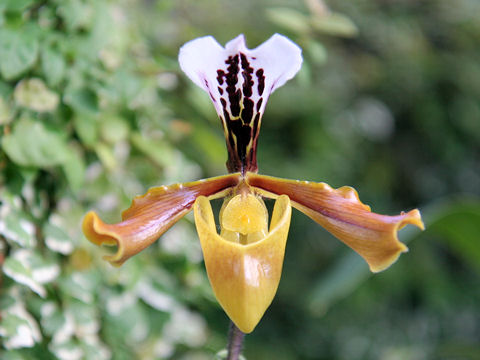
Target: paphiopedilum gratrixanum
[(244, 262)]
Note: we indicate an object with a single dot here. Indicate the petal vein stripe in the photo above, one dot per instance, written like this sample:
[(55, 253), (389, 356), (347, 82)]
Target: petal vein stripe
[(152, 214), (340, 211)]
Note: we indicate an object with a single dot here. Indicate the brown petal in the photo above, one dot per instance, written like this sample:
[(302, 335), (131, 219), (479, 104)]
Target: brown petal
[(152, 214), (340, 211)]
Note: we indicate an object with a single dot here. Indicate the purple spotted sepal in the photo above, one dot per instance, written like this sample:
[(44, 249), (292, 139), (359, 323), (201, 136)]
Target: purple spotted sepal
[(239, 82)]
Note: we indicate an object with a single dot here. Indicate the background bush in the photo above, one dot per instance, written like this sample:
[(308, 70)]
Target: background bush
[(94, 110)]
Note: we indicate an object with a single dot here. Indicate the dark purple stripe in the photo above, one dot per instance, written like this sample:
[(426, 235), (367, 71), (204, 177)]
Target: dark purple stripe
[(261, 81)]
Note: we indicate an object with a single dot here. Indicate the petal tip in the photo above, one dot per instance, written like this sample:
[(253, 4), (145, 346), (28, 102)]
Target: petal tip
[(413, 217), (95, 230), (92, 228), (236, 44)]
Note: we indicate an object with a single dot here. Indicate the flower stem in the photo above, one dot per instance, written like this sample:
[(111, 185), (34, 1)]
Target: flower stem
[(235, 342)]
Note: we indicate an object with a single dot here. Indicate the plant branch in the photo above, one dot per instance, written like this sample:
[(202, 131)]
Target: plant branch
[(235, 342)]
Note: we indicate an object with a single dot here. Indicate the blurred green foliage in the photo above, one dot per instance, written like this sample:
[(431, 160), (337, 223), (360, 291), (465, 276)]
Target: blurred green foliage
[(94, 110)]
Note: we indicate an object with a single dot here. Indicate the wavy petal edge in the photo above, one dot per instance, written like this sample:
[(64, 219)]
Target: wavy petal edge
[(340, 211), (151, 214)]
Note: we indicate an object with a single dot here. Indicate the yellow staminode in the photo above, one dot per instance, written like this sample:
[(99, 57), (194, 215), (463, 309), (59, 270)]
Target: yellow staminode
[(244, 219)]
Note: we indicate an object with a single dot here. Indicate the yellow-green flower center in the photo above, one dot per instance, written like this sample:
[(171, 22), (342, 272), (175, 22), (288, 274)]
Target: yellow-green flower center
[(244, 219)]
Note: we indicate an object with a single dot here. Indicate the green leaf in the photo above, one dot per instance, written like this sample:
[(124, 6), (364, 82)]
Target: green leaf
[(76, 14), (30, 269), (125, 86), (32, 144), (86, 128), (16, 227), (122, 310), (114, 129), (34, 94), (289, 19), (335, 24), (53, 320), (18, 327), (57, 239), (211, 145), (459, 226), (17, 5), (16, 332), (80, 286), (106, 156), (85, 317), (74, 169), (67, 350), (193, 335), (53, 66), (5, 90), (6, 112), (158, 151), (176, 166), (13, 355), (7, 300), (18, 52), (83, 100), (317, 52), (155, 296), (338, 282), (94, 349)]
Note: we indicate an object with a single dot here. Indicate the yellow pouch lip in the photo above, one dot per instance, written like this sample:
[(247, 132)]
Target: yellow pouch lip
[(244, 277)]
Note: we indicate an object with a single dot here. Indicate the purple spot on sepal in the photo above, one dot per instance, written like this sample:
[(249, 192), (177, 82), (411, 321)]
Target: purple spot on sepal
[(235, 102), (234, 95), (259, 104), (220, 76), (245, 63), (247, 85), (241, 115), (247, 112), (247, 76), (211, 97), (232, 71), (261, 81)]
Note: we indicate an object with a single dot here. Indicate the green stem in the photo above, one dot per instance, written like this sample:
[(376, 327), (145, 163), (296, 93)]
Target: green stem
[(235, 342)]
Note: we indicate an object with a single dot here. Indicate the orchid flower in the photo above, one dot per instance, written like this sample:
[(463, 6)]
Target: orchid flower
[(244, 261)]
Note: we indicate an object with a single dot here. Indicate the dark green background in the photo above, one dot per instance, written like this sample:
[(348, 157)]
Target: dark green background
[(387, 101)]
